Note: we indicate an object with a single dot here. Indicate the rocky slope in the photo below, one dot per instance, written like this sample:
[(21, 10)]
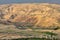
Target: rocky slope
[(14, 16), (33, 15)]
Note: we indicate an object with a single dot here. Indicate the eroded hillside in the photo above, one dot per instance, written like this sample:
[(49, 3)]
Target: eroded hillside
[(30, 15), (30, 21)]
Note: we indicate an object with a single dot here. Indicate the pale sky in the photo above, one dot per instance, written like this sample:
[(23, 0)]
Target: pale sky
[(29, 1)]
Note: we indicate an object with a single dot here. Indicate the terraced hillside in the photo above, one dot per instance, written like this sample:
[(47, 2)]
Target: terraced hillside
[(22, 18)]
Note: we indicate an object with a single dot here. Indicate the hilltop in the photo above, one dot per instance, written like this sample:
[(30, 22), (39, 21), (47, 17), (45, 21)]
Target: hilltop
[(35, 15)]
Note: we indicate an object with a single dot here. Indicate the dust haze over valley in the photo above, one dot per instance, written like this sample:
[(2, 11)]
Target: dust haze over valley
[(23, 18)]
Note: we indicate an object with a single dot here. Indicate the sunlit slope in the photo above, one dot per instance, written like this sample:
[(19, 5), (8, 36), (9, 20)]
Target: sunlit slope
[(31, 15)]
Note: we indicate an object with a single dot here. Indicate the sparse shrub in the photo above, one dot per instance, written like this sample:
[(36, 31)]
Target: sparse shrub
[(51, 35), (31, 39)]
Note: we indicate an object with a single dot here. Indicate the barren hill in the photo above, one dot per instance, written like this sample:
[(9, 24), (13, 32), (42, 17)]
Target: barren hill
[(34, 15), (29, 16)]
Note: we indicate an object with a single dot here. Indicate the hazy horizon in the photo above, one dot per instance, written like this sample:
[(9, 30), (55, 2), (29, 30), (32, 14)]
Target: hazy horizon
[(29, 1)]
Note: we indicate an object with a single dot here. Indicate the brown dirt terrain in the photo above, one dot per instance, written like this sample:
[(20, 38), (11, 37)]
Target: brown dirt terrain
[(19, 19)]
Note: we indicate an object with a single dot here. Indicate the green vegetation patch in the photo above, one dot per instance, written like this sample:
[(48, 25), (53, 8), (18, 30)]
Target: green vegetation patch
[(50, 33), (31, 39)]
